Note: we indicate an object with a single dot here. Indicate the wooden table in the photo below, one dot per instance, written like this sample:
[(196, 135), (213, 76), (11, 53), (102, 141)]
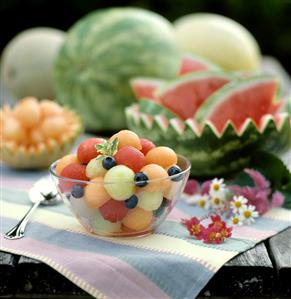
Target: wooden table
[(263, 271)]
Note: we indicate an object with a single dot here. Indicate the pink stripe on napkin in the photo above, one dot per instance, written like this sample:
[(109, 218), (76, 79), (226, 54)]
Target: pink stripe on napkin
[(95, 269)]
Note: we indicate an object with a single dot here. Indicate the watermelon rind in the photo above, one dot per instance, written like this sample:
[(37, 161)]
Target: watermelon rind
[(222, 94), (147, 106), (212, 153), (102, 52)]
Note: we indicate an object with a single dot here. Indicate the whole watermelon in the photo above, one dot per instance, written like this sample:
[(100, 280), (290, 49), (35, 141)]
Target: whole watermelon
[(102, 52)]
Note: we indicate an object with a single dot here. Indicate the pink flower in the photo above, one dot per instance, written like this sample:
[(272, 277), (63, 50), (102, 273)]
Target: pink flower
[(205, 187), (191, 187), (277, 199), (217, 231), (257, 195), (259, 180), (194, 227)]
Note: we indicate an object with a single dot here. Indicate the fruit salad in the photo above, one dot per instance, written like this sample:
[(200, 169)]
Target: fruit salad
[(122, 186)]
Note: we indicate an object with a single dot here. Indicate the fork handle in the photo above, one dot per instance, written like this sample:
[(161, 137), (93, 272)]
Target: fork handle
[(17, 231)]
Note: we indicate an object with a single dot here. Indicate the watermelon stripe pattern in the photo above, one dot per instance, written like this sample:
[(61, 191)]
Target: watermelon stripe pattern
[(102, 52), (210, 152)]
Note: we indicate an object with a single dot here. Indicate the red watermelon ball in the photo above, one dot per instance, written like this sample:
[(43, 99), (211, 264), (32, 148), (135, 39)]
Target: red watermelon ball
[(74, 171), (87, 149), (130, 157), (113, 210), (147, 145)]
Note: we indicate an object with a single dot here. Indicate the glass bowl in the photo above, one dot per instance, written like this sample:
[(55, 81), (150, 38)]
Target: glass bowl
[(116, 218)]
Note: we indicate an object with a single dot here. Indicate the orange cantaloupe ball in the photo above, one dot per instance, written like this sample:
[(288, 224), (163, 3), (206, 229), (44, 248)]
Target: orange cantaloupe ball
[(155, 172), (50, 108), (65, 161), (36, 136), (13, 130), (161, 155), (28, 112), (127, 138), (95, 193), (137, 219), (54, 126)]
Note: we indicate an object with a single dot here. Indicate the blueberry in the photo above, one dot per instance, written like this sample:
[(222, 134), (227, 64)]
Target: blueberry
[(141, 179), (108, 162), (173, 171), (77, 191), (131, 202)]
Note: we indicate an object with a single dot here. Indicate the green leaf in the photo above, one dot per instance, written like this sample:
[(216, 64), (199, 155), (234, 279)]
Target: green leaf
[(272, 168), (108, 148)]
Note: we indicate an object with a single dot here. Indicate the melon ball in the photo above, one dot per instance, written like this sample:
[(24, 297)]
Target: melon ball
[(127, 138), (65, 161), (103, 226), (95, 168), (50, 108), (87, 149), (28, 112), (81, 209), (73, 171), (27, 62), (113, 210), (150, 201), (220, 39), (119, 182), (12, 129), (161, 155), (54, 126), (36, 136), (138, 219), (159, 176), (95, 193)]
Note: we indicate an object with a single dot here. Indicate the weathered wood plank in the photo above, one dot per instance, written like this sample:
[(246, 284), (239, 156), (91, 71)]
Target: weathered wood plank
[(280, 252), (8, 264), (249, 274)]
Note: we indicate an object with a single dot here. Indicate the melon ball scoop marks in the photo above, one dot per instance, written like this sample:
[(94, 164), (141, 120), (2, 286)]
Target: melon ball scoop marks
[(124, 186)]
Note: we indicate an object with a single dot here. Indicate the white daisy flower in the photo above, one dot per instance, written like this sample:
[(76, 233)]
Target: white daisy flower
[(217, 201), (237, 203), (203, 201), (217, 188), (192, 199), (248, 214), (236, 220), (200, 200)]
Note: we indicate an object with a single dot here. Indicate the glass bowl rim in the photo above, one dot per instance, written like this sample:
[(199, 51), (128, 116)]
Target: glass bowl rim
[(185, 171)]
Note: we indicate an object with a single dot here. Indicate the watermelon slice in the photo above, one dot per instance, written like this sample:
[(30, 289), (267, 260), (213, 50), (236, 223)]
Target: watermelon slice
[(184, 95), (144, 87), (211, 153), (249, 98), (192, 63)]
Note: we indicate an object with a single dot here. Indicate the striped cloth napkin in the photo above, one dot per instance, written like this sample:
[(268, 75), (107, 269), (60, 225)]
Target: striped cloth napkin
[(166, 264)]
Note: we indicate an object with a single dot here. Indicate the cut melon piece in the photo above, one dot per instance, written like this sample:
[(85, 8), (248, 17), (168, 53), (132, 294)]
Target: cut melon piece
[(185, 95), (235, 102), (194, 63), (144, 87), (211, 153)]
